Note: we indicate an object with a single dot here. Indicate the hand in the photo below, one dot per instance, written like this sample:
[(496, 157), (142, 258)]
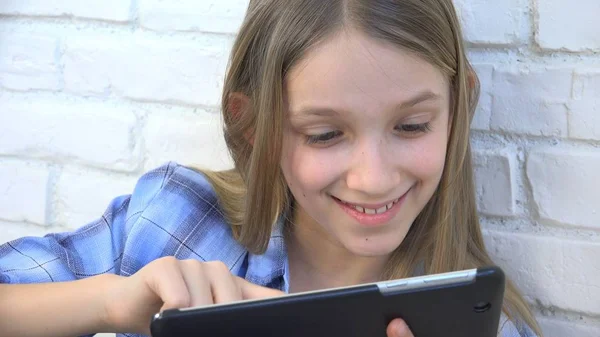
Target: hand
[(398, 328), (168, 283)]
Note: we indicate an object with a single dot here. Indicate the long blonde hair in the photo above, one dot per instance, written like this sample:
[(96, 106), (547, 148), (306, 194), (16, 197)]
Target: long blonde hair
[(275, 34)]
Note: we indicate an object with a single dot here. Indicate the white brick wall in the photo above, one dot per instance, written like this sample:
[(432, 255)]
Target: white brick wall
[(29, 62), (568, 25), (531, 100), (169, 138), (94, 93), (494, 170), (494, 22), (146, 69), (576, 327), (73, 203), (24, 191), (584, 122), (109, 10), (565, 186), (191, 15), (554, 271), (66, 131)]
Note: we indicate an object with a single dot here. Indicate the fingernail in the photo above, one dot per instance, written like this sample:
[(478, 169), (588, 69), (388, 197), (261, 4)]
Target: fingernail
[(401, 329)]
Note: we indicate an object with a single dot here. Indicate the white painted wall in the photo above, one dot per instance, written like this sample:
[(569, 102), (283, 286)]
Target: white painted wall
[(94, 93)]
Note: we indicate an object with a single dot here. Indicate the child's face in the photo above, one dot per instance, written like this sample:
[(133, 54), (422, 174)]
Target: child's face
[(354, 134)]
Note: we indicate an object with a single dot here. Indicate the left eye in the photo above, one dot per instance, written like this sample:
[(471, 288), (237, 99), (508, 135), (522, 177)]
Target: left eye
[(414, 128), (323, 138)]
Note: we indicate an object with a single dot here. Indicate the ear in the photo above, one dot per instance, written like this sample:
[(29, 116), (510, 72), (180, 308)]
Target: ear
[(471, 79), (237, 105)]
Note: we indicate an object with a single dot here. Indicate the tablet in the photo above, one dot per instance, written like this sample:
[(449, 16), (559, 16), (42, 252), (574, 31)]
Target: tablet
[(456, 304)]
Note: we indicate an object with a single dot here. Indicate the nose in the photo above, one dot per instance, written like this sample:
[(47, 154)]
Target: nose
[(373, 171)]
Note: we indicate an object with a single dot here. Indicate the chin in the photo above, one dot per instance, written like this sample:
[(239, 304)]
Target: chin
[(372, 248)]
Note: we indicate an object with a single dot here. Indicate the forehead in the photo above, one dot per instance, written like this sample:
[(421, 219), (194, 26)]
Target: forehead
[(355, 71)]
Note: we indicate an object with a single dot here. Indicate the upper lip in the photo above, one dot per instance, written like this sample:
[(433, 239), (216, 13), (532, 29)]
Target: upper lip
[(371, 206)]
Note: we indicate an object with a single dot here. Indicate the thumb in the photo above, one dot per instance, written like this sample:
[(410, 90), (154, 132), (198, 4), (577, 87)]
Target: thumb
[(398, 328), (253, 291)]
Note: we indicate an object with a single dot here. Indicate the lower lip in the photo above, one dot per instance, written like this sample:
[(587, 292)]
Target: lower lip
[(373, 220)]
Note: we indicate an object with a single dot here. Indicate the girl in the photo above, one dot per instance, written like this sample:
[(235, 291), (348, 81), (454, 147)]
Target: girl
[(348, 122)]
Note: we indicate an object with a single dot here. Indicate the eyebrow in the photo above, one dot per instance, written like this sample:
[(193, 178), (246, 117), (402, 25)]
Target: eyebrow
[(417, 99)]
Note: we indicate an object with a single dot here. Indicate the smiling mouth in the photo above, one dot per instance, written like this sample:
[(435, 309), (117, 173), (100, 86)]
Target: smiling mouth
[(366, 210)]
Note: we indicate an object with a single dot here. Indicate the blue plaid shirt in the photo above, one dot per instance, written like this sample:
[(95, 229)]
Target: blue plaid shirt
[(173, 211)]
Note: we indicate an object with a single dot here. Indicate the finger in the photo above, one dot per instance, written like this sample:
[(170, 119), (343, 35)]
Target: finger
[(398, 328), (169, 284), (253, 291), (197, 282), (224, 288)]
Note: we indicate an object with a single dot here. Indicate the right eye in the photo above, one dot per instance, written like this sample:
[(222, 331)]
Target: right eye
[(323, 137)]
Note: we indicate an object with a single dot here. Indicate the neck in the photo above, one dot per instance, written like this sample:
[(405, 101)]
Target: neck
[(316, 261)]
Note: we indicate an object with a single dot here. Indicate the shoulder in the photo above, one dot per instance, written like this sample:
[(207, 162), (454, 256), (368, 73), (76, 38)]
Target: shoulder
[(170, 191), (169, 181), (174, 211), (174, 192)]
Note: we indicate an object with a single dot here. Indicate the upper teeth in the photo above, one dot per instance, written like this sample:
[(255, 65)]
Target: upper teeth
[(373, 211)]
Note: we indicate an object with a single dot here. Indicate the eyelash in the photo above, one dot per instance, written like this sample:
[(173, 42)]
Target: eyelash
[(328, 136)]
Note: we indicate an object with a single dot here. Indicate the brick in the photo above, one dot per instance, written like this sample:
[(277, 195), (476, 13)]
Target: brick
[(563, 186), (83, 195), (150, 70), (531, 101), (216, 16), (562, 25), (483, 113), (481, 120), (586, 84), (23, 192), (94, 134), (550, 84), (555, 272), (584, 114), (526, 116), (561, 328), (493, 22), (485, 73), (495, 184), (29, 62), (14, 230), (109, 10), (195, 140)]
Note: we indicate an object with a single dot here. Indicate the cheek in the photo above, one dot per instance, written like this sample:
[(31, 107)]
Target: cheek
[(429, 158), (305, 169)]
